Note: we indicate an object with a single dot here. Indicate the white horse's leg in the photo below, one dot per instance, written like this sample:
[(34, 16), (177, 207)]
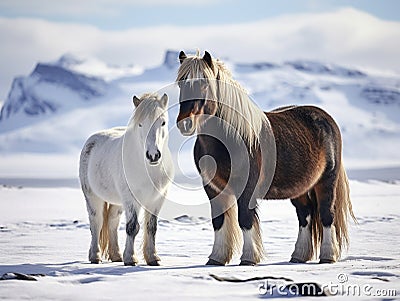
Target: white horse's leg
[(114, 215), (132, 229), (149, 237), (95, 207)]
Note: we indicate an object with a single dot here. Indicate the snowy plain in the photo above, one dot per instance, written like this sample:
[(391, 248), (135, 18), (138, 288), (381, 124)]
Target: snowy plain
[(45, 231)]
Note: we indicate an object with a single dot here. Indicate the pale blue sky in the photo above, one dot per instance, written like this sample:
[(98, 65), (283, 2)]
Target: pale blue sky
[(124, 14)]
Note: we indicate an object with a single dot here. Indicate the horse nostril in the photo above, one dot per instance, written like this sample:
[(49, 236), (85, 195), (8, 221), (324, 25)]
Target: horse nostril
[(158, 156), (187, 124), (148, 155)]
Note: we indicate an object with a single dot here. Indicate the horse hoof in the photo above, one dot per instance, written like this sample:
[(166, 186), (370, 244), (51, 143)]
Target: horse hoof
[(130, 263), (247, 262), (295, 260), (95, 261), (153, 263), (214, 262), (322, 261), (117, 260)]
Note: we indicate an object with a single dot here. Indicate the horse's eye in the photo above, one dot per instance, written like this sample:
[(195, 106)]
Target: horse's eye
[(163, 123), (140, 125)]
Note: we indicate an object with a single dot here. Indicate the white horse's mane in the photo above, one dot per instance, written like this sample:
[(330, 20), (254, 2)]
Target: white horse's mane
[(147, 108), (243, 118)]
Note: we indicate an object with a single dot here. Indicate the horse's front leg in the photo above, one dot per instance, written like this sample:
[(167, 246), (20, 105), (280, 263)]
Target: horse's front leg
[(114, 215), (226, 230), (149, 237), (253, 250), (132, 229)]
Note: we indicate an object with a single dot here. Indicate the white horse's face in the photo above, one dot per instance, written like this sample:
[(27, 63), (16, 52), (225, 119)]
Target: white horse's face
[(154, 133)]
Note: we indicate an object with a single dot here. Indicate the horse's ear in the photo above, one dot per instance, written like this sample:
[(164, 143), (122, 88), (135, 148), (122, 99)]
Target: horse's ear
[(207, 58), (182, 56), (164, 100), (136, 101)]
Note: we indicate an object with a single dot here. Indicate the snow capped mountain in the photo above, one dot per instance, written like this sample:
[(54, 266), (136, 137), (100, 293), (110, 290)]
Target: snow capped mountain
[(56, 107), (49, 89), (304, 66), (70, 83)]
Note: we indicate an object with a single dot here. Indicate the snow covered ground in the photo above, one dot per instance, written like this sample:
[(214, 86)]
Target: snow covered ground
[(45, 231)]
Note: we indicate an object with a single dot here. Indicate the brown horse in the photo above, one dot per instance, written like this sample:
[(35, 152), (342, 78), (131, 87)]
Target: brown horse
[(244, 154)]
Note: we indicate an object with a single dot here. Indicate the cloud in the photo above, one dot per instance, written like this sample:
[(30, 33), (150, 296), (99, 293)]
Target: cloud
[(345, 36)]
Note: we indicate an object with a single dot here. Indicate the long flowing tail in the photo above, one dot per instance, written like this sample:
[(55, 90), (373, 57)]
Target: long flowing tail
[(104, 233), (315, 224), (343, 209)]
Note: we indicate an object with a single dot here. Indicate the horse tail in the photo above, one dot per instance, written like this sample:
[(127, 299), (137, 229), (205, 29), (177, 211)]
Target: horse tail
[(342, 209), (315, 224), (104, 233)]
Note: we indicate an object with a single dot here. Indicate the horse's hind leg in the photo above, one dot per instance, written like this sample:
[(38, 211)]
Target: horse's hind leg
[(149, 247), (132, 229), (303, 249), (114, 215), (95, 207), (329, 251)]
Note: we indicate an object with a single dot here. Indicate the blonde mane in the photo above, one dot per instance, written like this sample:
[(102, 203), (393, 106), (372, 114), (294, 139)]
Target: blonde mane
[(243, 118), (146, 109)]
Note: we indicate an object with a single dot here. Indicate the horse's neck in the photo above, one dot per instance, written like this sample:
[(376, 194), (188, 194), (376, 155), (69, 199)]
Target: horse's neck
[(214, 128), (132, 140)]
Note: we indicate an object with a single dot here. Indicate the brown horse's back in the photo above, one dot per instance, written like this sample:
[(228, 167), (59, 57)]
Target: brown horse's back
[(308, 147)]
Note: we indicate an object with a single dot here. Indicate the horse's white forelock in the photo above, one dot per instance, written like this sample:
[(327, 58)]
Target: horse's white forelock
[(243, 118), (148, 108)]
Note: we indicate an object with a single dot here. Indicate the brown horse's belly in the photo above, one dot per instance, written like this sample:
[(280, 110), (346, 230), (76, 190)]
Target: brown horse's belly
[(284, 186), (286, 193)]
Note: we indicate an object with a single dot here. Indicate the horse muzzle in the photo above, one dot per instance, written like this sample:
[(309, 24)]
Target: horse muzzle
[(186, 126), (154, 159)]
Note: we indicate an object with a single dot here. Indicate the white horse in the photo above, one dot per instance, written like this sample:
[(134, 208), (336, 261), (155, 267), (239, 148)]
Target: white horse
[(127, 168)]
